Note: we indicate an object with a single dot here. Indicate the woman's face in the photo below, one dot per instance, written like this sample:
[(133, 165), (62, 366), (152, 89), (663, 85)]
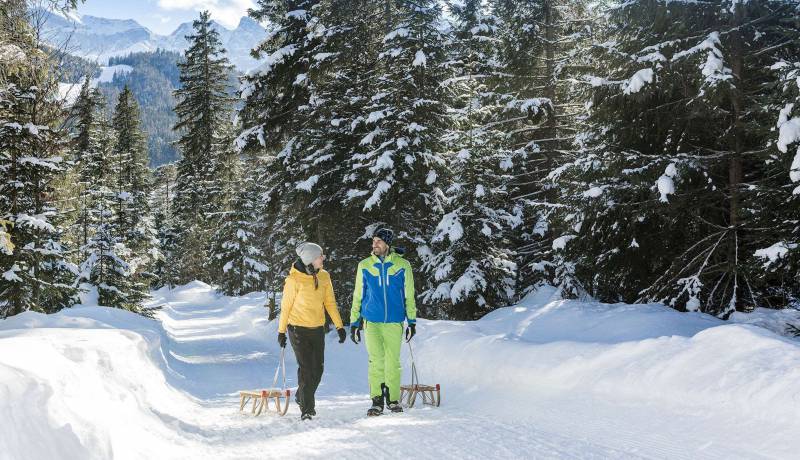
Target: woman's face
[(317, 263)]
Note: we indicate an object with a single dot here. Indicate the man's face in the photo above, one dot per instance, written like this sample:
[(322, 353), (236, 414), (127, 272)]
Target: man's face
[(379, 247)]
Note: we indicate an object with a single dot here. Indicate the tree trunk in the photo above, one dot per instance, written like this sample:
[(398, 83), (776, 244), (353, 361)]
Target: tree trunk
[(735, 162)]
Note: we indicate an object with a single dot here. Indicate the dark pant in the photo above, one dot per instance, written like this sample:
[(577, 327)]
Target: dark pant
[(309, 350)]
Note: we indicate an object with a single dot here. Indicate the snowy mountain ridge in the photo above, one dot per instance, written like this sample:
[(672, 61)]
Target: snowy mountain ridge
[(547, 378), (99, 39)]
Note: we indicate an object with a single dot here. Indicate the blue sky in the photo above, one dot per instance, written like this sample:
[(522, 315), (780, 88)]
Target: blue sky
[(163, 16)]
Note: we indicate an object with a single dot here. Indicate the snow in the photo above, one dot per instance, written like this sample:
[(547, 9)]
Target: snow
[(430, 179), (382, 187), (38, 221), (666, 187), (547, 378), (789, 133), (449, 227), (561, 241), (11, 53), (375, 116), (69, 92), (307, 184), (322, 56), (11, 274), (471, 280), (300, 15), (595, 81), (775, 252), (713, 68), (419, 59), (637, 81), (399, 32), (384, 161), (276, 58), (107, 73), (773, 320), (593, 192)]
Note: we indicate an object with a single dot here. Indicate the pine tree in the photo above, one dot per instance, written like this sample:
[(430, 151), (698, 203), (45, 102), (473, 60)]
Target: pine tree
[(203, 110), (668, 199), (91, 145), (237, 251), (166, 270), (277, 99), (540, 51), (132, 228), (472, 266), (35, 274)]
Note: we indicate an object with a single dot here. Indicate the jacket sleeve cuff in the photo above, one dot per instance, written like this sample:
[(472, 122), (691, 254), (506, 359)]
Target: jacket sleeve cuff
[(411, 321), (356, 323)]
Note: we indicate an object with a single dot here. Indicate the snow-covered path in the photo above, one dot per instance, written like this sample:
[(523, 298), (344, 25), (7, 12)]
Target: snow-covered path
[(545, 379), (218, 357)]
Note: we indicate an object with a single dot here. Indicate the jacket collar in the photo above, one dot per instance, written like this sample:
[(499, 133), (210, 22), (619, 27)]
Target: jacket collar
[(299, 267), (389, 257)]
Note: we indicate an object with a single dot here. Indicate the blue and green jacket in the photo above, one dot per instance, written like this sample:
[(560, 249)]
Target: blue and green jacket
[(384, 291)]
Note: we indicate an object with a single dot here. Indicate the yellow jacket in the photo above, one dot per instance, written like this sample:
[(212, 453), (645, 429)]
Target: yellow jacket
[(303, 305)]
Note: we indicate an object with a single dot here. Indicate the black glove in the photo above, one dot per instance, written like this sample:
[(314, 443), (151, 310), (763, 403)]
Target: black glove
[(282, 339), (411, 331), (355, 335), (342, 334)]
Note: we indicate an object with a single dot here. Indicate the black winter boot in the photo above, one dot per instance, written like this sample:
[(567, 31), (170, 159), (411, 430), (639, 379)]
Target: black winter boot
[(377, 406), (393, 406)]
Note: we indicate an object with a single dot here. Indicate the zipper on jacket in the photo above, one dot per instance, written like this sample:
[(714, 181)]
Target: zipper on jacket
[(385, 301)]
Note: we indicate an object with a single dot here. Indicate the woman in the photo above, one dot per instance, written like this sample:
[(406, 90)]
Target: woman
[(307, 294)]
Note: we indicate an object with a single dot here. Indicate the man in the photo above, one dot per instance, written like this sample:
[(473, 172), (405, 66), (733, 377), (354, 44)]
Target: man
[(383, 299), (307, 295)]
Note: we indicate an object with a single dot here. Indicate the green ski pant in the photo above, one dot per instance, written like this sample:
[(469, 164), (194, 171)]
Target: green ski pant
[(383, 342)]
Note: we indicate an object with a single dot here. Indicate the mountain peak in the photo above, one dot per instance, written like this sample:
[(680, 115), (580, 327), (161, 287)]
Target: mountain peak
[(99, 38)]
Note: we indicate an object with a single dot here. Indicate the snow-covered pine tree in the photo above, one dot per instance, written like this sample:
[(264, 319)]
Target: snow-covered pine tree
[(540, 44), (666, 202), (471, 269), (166, 269), (270, 93), (398, 171), (104, 262), (132, 225), (34, 275), (237, 249), (779, 278), (89, 140), (274, 112), (343, 44), (204, 109)]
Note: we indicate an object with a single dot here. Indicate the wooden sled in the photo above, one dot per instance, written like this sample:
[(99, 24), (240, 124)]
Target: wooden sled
[(261, 400), (431, 395), (261, 397)]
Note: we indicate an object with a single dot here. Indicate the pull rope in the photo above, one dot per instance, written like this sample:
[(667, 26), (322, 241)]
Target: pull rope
[(414, 376), (281, 366)]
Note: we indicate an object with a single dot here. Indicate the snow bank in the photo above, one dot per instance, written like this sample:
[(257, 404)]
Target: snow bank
[(646, 353), (776, 321), (559, 378)]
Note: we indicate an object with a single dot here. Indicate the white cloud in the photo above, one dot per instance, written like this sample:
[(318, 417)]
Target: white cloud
[(226, 12)]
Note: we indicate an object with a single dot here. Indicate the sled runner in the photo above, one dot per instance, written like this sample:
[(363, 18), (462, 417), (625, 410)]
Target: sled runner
[(261, 398), (431, 394)]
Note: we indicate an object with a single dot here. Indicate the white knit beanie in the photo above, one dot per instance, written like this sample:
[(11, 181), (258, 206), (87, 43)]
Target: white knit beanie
[(308, 251)]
